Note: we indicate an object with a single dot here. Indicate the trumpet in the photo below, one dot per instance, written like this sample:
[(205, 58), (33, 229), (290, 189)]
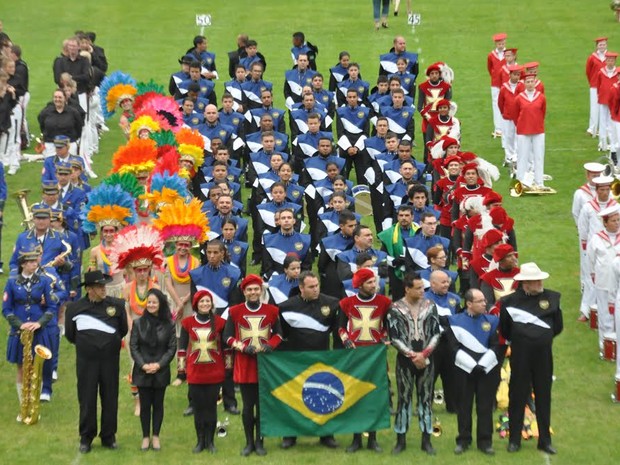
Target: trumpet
[(21, 197), (222, 428), (68, 250)]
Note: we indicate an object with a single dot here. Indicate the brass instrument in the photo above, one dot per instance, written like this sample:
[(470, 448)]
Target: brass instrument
[(68, 250), (437, 430), (32, 379), (21, 197), (222, 428), (615, 189)]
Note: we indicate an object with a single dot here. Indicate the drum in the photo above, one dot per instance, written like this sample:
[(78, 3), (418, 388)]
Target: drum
[(594, 319), (609, 347)]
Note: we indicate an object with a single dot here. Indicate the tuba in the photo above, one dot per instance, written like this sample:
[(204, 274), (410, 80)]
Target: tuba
[(32, 369), (222, 428), (437, 430), (21, 197)]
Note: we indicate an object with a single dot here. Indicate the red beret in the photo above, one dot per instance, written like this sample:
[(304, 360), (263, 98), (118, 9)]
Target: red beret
[(447, 140), (450, 159), (513, 50), (514, 68), (468, 156), (493, 236), (199, 295), (498, 215), (433, 67), (469, 166), (501, 251), (531, 65), (361, 276), (492, 197), (500, 36), (600, 39), (249, 280), (611, 55), (443, 102)]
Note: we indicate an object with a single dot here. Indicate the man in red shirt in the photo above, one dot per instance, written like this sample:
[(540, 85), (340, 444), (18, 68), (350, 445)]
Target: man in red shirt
[(594, 63), (531, 108), (495, 61), (251, 327)]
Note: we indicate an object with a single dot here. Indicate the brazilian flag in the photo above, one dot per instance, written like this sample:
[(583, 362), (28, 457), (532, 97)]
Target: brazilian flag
[(323, 392)]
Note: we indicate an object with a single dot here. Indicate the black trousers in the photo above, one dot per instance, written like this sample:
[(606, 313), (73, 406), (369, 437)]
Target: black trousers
[(151, 408), (443, 359), (97, 373), (481, 387), (204, 402), (531, 367), (228, 391)]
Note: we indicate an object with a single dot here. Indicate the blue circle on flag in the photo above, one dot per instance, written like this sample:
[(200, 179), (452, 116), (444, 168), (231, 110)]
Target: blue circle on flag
[(323, 393)]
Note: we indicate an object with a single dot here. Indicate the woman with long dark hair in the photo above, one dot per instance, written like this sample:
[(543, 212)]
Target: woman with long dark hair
[(153, 344)]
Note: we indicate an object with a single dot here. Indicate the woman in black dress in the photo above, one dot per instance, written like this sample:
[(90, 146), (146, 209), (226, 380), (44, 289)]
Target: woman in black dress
[(153, 344)]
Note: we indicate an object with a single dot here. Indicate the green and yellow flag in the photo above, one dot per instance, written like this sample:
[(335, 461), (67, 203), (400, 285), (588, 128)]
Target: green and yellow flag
[(323, 392)]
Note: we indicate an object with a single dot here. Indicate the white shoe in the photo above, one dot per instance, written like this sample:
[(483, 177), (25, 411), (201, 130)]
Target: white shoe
[(19, 418), (45, 397), (12, 171), (547, 177), (91, 174), (54, 376)]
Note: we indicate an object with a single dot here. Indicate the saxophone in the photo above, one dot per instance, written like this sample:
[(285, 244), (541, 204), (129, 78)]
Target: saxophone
[(32, 369)]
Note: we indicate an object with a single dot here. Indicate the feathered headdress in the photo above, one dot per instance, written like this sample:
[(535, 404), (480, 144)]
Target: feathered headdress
[(180, 221), (164, 139), (166, 108), (165, 188), (108, 206), (143, 121), (191, 146), (114, 89), (127, 182), (136, 246), (146, 90), (137, 156)]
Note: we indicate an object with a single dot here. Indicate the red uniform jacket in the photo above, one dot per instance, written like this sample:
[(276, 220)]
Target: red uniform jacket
[(604, 83), (445, 205), (507, 100), (494, 66), (614, 102), (593, 64), (363, 319), (502, 282), (531, 113), (440, 128), (504, 74), (432, 95), (204, 355), (255, 328)]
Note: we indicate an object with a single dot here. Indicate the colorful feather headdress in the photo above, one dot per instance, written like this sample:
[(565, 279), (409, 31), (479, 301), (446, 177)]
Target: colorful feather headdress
[(127, 182), (114, 89), (164, 139), (180, 221), (166, 109), (137, 246), (108, 206), (165, 188), (191, 146), (141, 122), (137, 156)]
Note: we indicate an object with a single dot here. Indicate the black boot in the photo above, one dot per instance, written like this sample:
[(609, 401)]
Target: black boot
[(426, 444), (209, 445), (401, 443), (200, 445), (260, 450), (356, 444), (372, 442), (248, 428)]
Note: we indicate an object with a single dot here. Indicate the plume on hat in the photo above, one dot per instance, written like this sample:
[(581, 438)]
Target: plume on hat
[(108, 205), (182, 221), (115, 88), (137, 246), (138, 155)]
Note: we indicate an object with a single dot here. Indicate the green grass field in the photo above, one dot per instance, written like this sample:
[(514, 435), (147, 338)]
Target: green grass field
[(146, 39)]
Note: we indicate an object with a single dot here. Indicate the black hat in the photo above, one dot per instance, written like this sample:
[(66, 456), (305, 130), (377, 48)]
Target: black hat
[(95, 277)]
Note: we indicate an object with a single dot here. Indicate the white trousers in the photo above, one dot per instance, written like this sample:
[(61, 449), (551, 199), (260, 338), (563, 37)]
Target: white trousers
[(497, 115), (509, 136), (606, 136), (593, 124), (615, 133), (531, 150), (617, 320), (606, 323), (587, 286), (10, 142)]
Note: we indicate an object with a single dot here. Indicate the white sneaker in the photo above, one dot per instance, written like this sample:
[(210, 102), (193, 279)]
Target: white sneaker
[(45, 397), (54, 376), (12, 171), (91, 174), (19, 418)]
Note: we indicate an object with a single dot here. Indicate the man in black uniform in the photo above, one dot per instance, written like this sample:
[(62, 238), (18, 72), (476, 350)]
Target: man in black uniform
[(96, 324), (530, 318), (308, 320)]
